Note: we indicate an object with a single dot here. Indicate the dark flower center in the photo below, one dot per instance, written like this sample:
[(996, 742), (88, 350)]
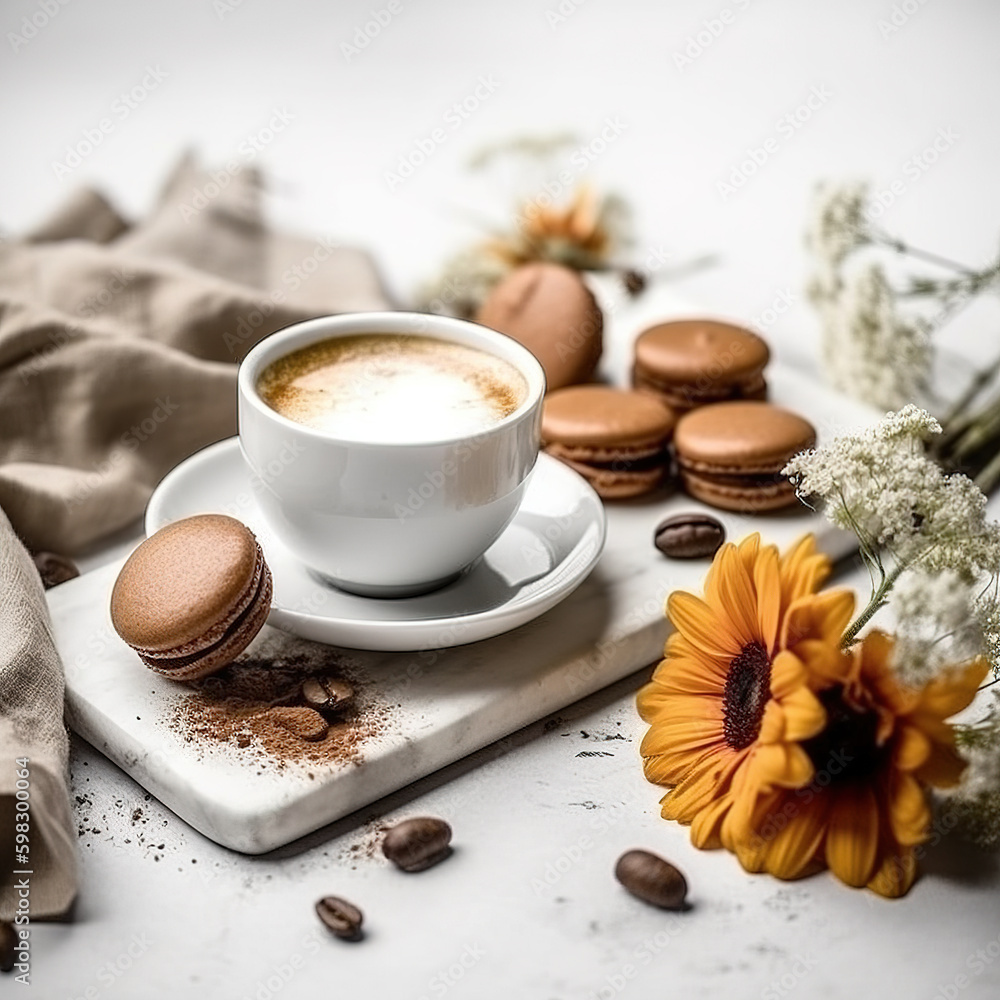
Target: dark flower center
[(848, 747), (748, 686)]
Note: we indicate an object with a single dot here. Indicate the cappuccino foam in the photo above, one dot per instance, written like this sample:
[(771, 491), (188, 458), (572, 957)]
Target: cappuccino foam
[(393, 388)]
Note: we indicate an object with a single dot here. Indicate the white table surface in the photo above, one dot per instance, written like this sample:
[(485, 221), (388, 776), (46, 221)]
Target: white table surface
[(527, 906)]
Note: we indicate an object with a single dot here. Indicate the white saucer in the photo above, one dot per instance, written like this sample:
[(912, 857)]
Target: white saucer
[(543, 556)]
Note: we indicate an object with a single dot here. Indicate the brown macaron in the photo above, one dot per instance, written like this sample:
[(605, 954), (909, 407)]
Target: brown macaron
[(192, 596), (615, 438), (695, 362), (730, 455), (547, 308)]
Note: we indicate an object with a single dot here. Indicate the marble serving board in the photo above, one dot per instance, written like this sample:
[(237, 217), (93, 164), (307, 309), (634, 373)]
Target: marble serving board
[(442, 704)]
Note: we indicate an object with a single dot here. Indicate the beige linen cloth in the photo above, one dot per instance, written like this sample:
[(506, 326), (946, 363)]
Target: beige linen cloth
[(118, 346)]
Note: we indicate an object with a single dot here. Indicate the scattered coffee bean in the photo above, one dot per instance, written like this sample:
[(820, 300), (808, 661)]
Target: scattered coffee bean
[(8, 946), (418, 843), (55, 569), (340, 917), (327, 694), (652, 879), (305, 723), (689, 536), (634, 281)]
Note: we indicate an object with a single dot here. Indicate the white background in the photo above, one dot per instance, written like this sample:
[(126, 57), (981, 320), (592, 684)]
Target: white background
[(521, 807)]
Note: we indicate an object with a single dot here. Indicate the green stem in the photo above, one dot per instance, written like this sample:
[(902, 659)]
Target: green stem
[(878, 601), (932, 258), (989, 475), (976, 385)]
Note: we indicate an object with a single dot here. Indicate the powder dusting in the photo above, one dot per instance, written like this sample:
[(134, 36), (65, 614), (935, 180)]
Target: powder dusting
[(231, 708)]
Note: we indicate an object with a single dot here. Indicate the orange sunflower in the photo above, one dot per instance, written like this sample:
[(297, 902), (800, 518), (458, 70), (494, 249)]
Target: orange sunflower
[(728, 675), (858, 800)]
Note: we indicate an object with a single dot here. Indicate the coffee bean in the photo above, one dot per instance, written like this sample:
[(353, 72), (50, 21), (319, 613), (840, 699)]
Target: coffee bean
[(418, 843), (689, 536), (327, 694), (305, 723), (652, 879), (55, 569), (8, 946), (340, 917)]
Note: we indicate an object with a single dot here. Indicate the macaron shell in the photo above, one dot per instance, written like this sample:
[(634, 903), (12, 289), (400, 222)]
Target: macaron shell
[(182, 581), (701, 352), (603, 417), (750, 499), (548, 308), (195, 666), (741, 437), (616, 484)]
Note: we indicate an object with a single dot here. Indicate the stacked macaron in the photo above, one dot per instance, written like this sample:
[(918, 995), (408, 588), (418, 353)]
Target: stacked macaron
[(730, 455), (192, 596), (695, 362), (698, 382), (616, 439)]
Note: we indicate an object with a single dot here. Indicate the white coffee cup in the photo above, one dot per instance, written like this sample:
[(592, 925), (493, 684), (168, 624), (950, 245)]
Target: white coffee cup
[(388, 519)]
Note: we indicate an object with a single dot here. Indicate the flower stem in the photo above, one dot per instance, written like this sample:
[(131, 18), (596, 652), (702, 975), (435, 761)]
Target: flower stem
[(979, 381), (878, 601), (932, 258)]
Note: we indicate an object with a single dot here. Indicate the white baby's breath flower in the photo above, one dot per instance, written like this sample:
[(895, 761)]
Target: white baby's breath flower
[(975, 803), (882, 484), (837, 223), (870, 351), (937, 624)]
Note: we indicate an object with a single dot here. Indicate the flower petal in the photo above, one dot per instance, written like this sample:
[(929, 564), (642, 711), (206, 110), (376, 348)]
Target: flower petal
[(787, 674), (731, 591), (705, 826), (895, 874), (911, 749), (793, 848), (767, 582), (950, 693), (822, 616), (852, 835), (909, 813), (699, 624), (804, 714)]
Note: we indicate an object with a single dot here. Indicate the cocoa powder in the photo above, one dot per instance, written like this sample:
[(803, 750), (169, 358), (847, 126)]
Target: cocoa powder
[(237, 706)]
